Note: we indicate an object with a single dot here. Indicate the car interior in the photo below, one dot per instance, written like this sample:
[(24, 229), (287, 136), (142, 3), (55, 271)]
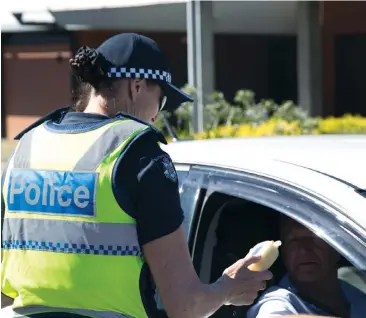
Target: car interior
[(229, 227)]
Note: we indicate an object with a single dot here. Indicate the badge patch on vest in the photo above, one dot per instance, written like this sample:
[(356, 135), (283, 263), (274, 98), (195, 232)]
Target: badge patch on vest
[(52, 192), (169, 170)]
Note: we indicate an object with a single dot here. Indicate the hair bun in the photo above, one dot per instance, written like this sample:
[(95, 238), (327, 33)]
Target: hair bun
[(87, 66)]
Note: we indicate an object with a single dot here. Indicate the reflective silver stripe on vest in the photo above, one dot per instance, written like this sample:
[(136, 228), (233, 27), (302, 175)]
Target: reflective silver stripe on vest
[(89, 313), (22, 154), (110, 140), (70, 237)]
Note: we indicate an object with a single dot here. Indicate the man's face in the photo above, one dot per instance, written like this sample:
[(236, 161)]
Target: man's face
[(307, 258)]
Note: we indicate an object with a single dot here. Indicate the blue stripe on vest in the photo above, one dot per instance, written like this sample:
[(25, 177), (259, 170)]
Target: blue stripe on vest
[(71, 248), (52, 192)]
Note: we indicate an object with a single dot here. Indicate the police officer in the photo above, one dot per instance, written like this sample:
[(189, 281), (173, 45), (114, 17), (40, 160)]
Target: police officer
[(90, 211)]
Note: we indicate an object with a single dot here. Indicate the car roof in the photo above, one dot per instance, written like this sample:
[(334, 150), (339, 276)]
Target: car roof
[(330, 166), (340, 156)]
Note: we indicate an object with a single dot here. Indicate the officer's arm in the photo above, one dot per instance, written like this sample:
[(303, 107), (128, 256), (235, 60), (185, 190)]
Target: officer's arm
[(159, 224), (181, 290)]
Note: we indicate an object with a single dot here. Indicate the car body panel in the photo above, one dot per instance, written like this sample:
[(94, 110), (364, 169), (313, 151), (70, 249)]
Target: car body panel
[(313, 179), (331, 167), (336, 155)]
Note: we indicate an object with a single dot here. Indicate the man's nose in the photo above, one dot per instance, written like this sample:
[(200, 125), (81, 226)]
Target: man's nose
[(302, 250)]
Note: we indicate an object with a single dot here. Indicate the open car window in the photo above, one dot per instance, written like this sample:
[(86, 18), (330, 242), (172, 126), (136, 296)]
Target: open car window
[(240, 211)]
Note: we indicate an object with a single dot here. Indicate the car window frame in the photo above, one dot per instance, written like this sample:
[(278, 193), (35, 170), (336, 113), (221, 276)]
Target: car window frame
[(190, 197), (286, 199), (182, 172)]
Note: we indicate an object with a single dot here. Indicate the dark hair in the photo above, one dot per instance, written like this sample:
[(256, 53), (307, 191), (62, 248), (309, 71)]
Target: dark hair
[(90, 70)]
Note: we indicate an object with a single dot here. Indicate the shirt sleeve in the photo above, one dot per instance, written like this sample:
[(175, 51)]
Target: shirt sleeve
[(146, 187), (271, 307)]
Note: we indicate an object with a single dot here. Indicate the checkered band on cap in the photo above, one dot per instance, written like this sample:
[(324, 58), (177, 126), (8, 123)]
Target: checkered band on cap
[(125, 72)]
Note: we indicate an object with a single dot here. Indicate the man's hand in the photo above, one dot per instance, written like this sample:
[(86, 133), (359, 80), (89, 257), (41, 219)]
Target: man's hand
[(242, 284)]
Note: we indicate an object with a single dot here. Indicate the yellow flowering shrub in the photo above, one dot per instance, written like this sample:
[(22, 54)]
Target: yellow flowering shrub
[(347, 124), (343, 125), (249, 116)]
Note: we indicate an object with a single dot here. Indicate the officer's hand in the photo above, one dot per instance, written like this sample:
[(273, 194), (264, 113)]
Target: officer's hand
[(242, 285)]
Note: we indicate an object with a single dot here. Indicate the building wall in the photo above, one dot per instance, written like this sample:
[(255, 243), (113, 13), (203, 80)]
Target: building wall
[(253, 65), (36, 82), (241, 61), (36, 77), (341, 18)]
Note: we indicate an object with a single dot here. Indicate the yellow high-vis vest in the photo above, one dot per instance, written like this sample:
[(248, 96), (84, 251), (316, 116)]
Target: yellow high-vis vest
[(67, 244)]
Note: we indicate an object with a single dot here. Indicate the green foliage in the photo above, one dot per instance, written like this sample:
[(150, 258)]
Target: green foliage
[(248, 117)]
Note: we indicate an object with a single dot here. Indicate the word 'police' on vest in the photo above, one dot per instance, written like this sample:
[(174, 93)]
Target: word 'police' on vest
[(51, 191), (32, 193)]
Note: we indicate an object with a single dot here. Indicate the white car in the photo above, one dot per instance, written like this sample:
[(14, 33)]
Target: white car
[(232, 191)]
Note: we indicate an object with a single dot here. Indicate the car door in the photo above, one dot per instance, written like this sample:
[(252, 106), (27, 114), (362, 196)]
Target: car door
[(313, 212)]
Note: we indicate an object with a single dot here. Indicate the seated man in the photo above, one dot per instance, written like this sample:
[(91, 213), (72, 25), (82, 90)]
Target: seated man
[(311, 285)]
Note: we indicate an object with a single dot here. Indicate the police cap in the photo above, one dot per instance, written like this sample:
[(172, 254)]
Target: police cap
[(131, 55)]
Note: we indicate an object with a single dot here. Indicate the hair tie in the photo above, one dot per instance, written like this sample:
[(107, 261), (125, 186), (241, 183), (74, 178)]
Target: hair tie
[(95, 59)]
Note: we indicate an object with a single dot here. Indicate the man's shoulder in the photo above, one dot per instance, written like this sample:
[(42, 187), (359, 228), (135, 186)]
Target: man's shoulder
[(355, 297), (275, 292), (283, 289), (274, 300)]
